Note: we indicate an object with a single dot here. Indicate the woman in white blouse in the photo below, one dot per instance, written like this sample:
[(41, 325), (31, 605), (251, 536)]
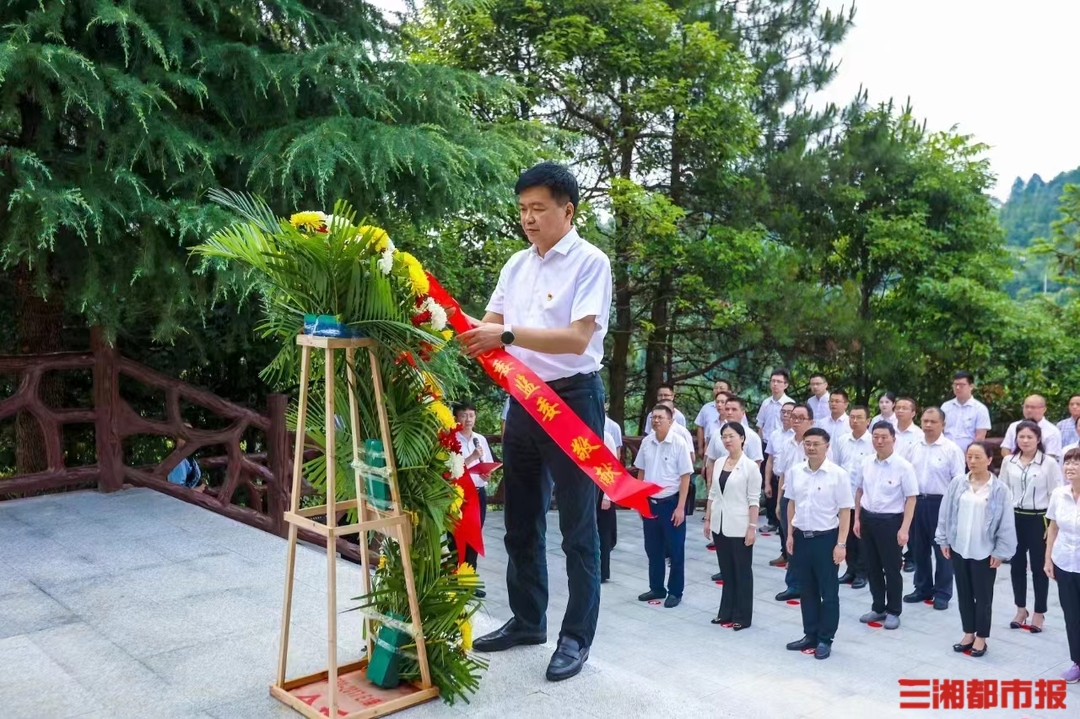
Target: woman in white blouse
[(1063, 555), (731, 516), (1031, 476), (976, 531), (886, 404)]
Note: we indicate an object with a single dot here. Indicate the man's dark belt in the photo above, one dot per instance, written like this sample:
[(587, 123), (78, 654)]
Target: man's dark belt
[(567, 382), (880, 515), (811, 535), (928, 496)]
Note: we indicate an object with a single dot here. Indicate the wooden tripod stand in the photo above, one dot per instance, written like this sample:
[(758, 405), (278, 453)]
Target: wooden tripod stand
[(345, 692)]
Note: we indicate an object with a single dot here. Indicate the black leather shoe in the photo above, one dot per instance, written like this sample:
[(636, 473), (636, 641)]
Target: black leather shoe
[(672, 601), (909, 566), (479, 594), (806, 642), (506, 636), (822, 651), (651, 595), (941, 604), (786, 595), (568, 659), (915, 598), (718, 577), (859, 583), (847, 578), (710, 545)]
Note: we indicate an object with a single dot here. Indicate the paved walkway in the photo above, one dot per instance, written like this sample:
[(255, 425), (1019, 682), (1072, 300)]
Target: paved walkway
[(138, 605)]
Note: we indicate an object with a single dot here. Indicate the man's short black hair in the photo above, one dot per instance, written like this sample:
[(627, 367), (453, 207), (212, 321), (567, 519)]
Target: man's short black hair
[(885, 425), (665, 409), (737, 400), (841, 393), (463, 406), (782, 372), (560, 182), (964, 374), (816, 432)]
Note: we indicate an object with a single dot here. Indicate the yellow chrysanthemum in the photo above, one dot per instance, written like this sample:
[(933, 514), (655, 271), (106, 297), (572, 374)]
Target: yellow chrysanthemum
[(431, 386), (418, 281), (459, 499), (467, 575), (382, 562), (443, 413), (447, 335), (466, 634), (310, 221), (377, 237)]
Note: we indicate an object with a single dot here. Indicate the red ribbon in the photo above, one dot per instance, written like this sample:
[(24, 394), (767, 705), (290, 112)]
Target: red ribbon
[(560, 422), (468, 530)]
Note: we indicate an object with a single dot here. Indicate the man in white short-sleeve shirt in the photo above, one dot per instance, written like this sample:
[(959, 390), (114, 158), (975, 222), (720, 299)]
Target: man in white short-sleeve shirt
[(664, 460), (937, 460), (768, 416), (1035, 410), (666, 393), (966, 418), (708, 415), (884, 508), (818, 402), (549, 310), (849, 451), (836, 421), (907, 431)]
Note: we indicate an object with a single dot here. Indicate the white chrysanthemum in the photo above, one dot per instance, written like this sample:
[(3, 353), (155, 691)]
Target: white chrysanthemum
[(337, 221), (386, 261), (457, 465), (438, 317)]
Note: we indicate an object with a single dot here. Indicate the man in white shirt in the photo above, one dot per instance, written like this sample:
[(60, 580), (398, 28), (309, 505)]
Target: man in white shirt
[(1035, 410), (836, 421), (849, 452), (907, 432), (791, 453), (734, 411), (666, 393), (820, 500), (771, 477), (884, 508), (967, 419), (550, 311), (476, 451), (937, 460), (706, 431), (819, 396), (1067, 426), (613, 427), (768, 416), (709, 415), (664, 460)]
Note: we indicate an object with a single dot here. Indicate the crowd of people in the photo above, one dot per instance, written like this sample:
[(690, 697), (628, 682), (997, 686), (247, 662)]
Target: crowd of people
[(845, 487)]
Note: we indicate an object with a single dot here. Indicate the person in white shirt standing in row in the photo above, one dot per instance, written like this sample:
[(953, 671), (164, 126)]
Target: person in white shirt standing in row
[(709, 415), (476, 450), (820, 499), (666, 393), (937, 460), (772, 446), (836, 421), (1062, 562), (849, 452), (664, 460), (1031, 476), (791, 453), (886, 411), (884, 508), (767, 422), (967, 419), (1067, 426), (1035, 411), (907, 431), (818, 402)]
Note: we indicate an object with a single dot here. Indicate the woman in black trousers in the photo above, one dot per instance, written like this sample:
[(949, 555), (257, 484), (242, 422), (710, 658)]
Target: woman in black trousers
[(731, 517), (976, 531), (1063, 555), (1031, 476)]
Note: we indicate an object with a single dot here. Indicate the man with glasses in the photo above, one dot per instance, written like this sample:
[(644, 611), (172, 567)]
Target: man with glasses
[(791, 454), (666, 393), (1035, 410), (709, 415), (819, 516), (967, 419), (849, 451)]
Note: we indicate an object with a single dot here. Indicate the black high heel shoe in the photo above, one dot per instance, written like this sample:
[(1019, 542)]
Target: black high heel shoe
[(979, 652), (1017, 625)]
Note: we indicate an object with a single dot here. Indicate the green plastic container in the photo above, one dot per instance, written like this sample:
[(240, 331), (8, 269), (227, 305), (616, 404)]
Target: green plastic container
[(384, 666)]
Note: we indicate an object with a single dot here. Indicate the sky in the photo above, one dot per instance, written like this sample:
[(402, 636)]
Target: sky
[(999, 70)]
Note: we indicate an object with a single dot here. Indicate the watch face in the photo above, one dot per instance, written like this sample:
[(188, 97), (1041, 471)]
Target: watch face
[(507, 338)]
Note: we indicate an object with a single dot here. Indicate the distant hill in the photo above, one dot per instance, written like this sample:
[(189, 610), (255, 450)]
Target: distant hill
[(1026, 217)]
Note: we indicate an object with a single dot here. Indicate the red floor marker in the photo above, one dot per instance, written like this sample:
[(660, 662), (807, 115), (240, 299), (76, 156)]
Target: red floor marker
[(766, 534), (654, 602), (928, 602), (711, 549), (1026, 627), (875, 625), (720, 582), (793, 602), (727, 625), (808, 651)]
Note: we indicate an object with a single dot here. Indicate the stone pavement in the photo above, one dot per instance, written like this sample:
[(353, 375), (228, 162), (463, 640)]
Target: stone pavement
[(138, 605)]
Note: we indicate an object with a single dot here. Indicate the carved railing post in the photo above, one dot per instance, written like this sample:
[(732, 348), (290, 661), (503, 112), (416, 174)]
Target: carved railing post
[(110, 452), (277, 458)]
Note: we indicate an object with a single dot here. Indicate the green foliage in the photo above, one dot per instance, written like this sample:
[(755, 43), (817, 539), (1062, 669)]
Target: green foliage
[(1027, 217)]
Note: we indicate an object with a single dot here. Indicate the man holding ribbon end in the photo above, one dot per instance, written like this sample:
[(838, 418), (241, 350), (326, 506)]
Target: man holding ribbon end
[(549, 311)]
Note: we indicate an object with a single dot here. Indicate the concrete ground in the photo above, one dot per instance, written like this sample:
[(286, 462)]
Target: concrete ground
[(138, 605)]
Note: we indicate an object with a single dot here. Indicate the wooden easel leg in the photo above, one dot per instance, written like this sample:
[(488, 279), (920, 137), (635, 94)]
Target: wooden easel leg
[(414, 605), (331, 540), (361, 503), (294, 505)]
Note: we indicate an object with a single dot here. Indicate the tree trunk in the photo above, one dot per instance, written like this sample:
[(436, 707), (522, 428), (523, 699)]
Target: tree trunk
[(39, 328)]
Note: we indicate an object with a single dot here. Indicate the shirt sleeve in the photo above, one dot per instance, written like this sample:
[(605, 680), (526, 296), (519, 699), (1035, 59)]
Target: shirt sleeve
[(592, 291), (685, 466), (701, 420), (1009, 442), (760, 416), (844, 498), (909, 482), (486, 456), (982, 419), (680, 418), (1054, 478), (712, 451), (753, 449), (1051, 507), (639, 460), (959, 466)]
